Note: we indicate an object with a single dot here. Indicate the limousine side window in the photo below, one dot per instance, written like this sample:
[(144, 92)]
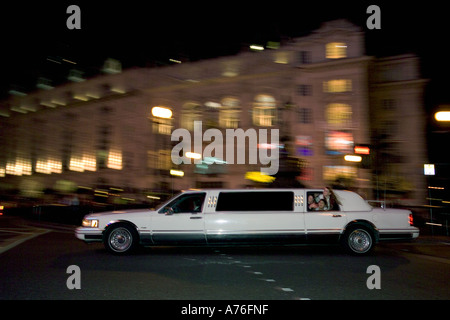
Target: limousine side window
[(314, 201), (187, 203), (256, 201)]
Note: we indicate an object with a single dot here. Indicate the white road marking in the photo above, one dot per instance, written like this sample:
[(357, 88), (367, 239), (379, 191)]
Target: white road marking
[(13, 242)]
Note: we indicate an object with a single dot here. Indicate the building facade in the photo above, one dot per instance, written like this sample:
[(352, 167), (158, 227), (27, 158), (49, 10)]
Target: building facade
[(321, 92)]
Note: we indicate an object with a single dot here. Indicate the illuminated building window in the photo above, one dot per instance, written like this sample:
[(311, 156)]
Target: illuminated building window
[(114, 159), (89, 162), (162, 126), (83, 162), (162, 120), (332, 173), (264, 111), (339, 114), (76, 164), (336, 50), (160, 159), (18, 167), (48, 166), (281, 57), (229, 113), (336, 86), (191, 112)]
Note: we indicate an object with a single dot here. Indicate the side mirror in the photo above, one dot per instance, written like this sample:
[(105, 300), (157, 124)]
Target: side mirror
[(168, 211)]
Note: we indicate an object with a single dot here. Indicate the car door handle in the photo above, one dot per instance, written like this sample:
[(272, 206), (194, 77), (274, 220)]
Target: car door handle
[(337, 215), (195, 218)]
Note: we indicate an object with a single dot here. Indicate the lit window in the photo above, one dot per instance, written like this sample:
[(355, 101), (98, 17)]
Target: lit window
[(191, 112), (339, 85), (162, 120), (18, 167), (48, 166), (89, 162), (78, 163), (332, 173), (159, 159), (336, 50), (229, 113), (339, 114), (281, 57), (264, 111), (115, 159), (162, 126)]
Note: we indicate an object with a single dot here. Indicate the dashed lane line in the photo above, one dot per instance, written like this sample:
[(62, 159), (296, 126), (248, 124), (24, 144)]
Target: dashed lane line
[(240, 263)]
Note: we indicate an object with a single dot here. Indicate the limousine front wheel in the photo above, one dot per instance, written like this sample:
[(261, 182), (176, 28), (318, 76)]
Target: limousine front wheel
[(358, 240), (120, 238)]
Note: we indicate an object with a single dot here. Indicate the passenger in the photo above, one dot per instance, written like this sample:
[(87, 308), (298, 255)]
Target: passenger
[(332, 200), (330, 197), (322, 205), (312, 204)]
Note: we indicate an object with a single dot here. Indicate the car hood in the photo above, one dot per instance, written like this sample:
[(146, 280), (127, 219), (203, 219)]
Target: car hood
[(116, 214)]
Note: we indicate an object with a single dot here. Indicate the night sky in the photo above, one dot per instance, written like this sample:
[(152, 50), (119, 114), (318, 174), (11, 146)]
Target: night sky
[(148, 33)]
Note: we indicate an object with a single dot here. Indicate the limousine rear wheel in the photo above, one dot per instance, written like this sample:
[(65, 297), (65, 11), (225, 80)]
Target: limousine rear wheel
[(358, 240), (120, 238)]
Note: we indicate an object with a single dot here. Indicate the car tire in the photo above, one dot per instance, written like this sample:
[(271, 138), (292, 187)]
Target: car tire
[(358, 240), (120, 239)]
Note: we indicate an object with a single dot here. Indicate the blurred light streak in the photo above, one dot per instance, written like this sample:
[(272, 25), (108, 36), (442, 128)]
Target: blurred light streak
[(442, 116), (256, 47), (162, 112), (352, 158), (177, 173), (193, 155)]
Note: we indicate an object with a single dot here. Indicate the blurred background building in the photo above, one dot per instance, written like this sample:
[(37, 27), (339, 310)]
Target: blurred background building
[(327, 98)]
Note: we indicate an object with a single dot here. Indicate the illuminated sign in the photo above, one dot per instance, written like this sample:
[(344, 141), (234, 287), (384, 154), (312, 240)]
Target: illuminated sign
[(428, 169), (362, 150), (339, 142), (259, 177), (352, 158)]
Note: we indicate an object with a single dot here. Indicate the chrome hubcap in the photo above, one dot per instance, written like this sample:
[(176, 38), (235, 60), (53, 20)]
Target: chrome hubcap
[(120, 239), (360, 241)]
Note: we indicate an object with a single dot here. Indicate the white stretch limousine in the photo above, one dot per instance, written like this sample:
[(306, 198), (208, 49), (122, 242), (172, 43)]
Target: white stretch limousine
[(250, 216)]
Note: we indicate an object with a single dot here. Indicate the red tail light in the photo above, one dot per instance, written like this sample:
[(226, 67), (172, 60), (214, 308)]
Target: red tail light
[(411, 220)]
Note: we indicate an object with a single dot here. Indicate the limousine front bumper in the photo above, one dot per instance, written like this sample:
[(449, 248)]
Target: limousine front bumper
[(87, 234)]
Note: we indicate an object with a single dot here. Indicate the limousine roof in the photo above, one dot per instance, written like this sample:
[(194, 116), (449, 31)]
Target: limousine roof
[(349, 201)]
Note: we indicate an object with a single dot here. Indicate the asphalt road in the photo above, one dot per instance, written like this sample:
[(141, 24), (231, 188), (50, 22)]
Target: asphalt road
[(35, 262)]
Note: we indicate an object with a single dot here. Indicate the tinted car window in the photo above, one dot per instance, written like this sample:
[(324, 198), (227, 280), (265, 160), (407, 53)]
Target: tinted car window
[(186, 203), (256, 201)]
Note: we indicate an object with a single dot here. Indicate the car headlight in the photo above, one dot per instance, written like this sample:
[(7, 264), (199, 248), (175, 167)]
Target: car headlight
[(90, 223)]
